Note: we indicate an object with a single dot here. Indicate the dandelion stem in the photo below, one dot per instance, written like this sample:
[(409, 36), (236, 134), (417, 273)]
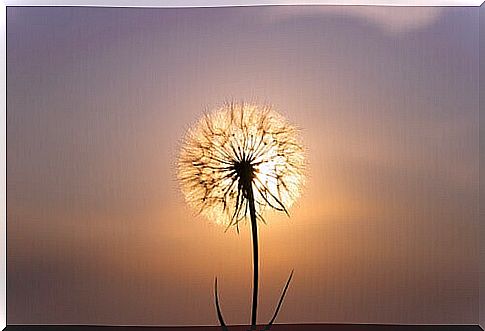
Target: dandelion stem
[(254, 229)]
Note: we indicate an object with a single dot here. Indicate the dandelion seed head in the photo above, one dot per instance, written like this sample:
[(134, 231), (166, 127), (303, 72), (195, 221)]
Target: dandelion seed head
[(237, 146)]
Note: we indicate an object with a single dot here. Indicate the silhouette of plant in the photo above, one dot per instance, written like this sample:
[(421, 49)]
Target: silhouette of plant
[(235, 163)]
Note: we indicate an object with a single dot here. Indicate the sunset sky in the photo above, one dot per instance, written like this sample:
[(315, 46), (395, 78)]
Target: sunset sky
[(99, 99)]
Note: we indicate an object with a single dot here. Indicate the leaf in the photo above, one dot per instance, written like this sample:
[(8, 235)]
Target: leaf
[(219, 314), (279, 302)]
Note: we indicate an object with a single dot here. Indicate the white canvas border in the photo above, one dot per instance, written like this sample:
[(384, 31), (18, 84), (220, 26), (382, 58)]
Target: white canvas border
[(229, 3), (3, 166)]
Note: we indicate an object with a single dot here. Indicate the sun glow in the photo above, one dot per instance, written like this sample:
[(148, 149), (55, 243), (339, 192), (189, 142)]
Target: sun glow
[(238, 144)]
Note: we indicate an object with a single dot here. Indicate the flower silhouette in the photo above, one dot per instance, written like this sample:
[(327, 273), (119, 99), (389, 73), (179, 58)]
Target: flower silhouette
[(235, 163)]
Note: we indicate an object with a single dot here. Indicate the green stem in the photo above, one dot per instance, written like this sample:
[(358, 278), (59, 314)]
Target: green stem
[(254, 229)]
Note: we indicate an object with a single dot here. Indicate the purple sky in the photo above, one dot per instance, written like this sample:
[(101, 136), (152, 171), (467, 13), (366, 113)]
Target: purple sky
[(99, 100)]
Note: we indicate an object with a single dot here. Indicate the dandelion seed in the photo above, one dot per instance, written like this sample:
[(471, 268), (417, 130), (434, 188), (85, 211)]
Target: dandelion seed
[(236, 145)]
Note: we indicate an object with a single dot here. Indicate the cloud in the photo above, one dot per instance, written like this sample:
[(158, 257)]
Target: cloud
[(390, 19), (397, 19)]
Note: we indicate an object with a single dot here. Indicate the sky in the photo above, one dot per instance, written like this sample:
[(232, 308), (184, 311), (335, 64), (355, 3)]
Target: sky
[(482, 161), (98, 102)]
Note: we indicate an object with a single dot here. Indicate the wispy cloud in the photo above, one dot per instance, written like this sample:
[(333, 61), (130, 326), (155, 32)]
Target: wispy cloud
[(393, 20)]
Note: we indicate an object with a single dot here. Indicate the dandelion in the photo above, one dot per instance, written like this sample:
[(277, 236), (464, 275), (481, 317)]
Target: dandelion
[(237, 162)]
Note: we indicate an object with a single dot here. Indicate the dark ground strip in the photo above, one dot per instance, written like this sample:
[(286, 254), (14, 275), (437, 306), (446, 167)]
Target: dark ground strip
[(276, 327)]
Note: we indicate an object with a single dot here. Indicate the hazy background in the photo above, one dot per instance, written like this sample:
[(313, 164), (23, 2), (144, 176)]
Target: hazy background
[(482, 162), (98, 102)]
